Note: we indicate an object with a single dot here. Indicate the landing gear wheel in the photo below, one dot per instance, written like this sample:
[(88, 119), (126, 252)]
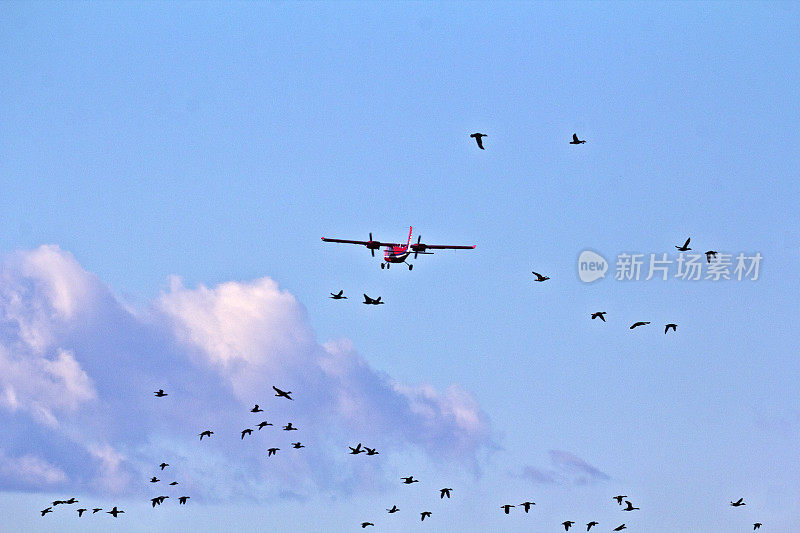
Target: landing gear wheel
[(382, 266), (411, 267)]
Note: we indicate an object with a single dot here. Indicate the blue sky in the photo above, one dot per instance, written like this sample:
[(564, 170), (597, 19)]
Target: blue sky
[(168, 170)]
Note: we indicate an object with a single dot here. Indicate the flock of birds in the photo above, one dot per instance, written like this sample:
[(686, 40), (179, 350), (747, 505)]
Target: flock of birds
[(359, 449)]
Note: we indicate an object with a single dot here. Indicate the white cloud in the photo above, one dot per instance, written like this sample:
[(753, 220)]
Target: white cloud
[(29, 471), (80, 368)]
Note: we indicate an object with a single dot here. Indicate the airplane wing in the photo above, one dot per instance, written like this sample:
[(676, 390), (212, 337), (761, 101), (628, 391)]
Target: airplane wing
[(374, 244), (421, 247)]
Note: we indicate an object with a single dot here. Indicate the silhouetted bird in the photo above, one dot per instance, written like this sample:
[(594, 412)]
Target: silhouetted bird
[(339, 296), (71, 501), (247, 431), (158, 500), (174, 483), (45, 511), (370, 301), (356, 450), (757, 525), (668, 326), (206, 433), (81, 511), (630, 506), (394, 509), (365, 524), (154, 479), (297, 445), (444, 492), (289, 427), (371, 451), (637, 324), (182, 499), (539, 277), (710, 254), (263, 424), (409, 480), (600, 315), (527, 505), (114, 511), (256, 409), (279, 392), (507, 507), (575, 139), (58, 502), (96, 509), (619, 498), (591, 524), (620, 527), (163, 465), (272, 451), (567, 524), (479, 139), (160, 393), (738, 503), (423, 515), (685, 247)]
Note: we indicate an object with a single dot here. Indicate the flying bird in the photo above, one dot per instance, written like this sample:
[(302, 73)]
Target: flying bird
[(96, 509), (297, 445), (263, 424), (444, 492), (58, 502), (256, 409), (636, 325), (575, 139), (356, 450), (539, 277), (370, 301), (527, 505), (81, 511), (479, 139), (158, 500), (206, 433), (45, 511), (174, 483), (600, 315), (338, 295), (394, 509), (567, 524), (182, 499), (757, 525), (507, 507), (289, 427), (365, 524), (591, 524), (668, 326), (620, 527), (423, 515), (710, 254), (619, 498), (272, 451), (279, 392), (163, 465), (247, 431), (114, 511), (371, 451), (409, 480), (630, 506), (685, 247), (160, 393), (738, 503), (154, 479)]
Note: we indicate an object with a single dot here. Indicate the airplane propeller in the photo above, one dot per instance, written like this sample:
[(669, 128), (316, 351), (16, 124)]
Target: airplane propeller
[(372, 245), (420, 248)]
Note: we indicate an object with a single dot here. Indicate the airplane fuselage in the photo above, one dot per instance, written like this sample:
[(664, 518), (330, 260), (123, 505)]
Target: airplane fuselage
[(396, 254)]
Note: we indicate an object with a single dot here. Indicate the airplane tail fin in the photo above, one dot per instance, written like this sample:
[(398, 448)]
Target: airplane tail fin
[(410, 228)]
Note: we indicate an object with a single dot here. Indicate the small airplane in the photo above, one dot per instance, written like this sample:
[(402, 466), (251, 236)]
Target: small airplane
[(398, 253), (279, 392)]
